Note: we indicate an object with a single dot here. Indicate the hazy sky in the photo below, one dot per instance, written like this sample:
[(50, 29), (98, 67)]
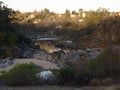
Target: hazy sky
[(61, 5)]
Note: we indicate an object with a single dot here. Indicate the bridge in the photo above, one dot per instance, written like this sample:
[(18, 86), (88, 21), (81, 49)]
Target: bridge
[(45, 40), (43, 35)]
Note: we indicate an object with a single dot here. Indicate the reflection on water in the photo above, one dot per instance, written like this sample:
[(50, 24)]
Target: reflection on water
[(47, 45)]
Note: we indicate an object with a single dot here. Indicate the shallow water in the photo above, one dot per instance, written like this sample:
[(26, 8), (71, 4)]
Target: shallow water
[(47, 45)]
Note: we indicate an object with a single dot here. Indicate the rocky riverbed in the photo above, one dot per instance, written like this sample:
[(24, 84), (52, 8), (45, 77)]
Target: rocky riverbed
[(52, 60)]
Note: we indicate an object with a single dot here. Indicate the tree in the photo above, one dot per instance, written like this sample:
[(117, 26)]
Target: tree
[(103, 12), (80, 12), (44, 13), (67, 13), (5, 13), (74, 12)]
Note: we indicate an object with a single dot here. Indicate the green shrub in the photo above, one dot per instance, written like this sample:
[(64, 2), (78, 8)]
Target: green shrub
[(109, 63), (91, 68), (65, 75), (80, 73), (21, 74)]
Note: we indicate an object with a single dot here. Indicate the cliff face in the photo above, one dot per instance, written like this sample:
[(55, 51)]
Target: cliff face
[(105, 34)]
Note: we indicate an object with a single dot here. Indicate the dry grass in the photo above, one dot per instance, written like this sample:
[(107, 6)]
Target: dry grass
[(58, 88)]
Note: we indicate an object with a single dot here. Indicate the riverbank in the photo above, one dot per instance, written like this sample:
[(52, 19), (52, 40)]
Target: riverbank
[(58, 88)]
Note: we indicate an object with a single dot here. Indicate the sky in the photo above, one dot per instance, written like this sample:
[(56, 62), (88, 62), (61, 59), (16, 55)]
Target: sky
[(59, 6)]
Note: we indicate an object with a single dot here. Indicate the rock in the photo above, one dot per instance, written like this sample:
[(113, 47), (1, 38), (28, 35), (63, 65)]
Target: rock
[(2, 65), (27, 54), (2, 82), (50, 58), (93, 52), (41, 55), (46, 77), (88, 49), (81, 52), (10, 62), (65, 44), (92, 55), (57, 54), (6, 62), (75, 56)]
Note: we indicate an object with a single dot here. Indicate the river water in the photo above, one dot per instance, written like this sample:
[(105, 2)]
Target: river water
[(47, 45)]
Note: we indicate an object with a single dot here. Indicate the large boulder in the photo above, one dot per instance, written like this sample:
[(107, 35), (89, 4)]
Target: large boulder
[(27, 54), (6, 62), (75, 55), (46, 77), (93, 52), (81, 52), (65, 44)]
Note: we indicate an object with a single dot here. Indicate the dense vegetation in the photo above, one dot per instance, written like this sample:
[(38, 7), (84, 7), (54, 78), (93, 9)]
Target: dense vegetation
[(101, 70), (10, 40), (20, 75)]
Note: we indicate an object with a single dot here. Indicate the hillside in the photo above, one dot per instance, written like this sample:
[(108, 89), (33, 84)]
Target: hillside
[(98, 28), (104, 34)]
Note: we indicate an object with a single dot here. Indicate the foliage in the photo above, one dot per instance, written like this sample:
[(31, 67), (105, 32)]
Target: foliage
[(101, 67), (21, 74), (92, 68), (74, 12), (65, 75), (109, 61), (106, 64), (66, 23), (8, 36), (5, 13), (23, 39), (67, 13), (14, 38), (96, 17)]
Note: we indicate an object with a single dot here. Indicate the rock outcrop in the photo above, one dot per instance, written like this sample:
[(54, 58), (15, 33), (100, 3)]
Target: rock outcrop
[(46, 77)]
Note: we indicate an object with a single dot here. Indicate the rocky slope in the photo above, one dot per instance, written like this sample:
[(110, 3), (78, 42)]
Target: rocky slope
[(105, 34)]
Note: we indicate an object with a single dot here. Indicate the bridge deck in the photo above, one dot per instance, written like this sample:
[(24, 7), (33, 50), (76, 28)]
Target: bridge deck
[(47, 39)]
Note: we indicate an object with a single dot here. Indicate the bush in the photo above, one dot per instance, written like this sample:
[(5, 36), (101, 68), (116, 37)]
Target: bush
[(91, 68), (80, 73), (73, 74), (109, 63), (95, 82), (21, 74), (107, 82), (65, 75)]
